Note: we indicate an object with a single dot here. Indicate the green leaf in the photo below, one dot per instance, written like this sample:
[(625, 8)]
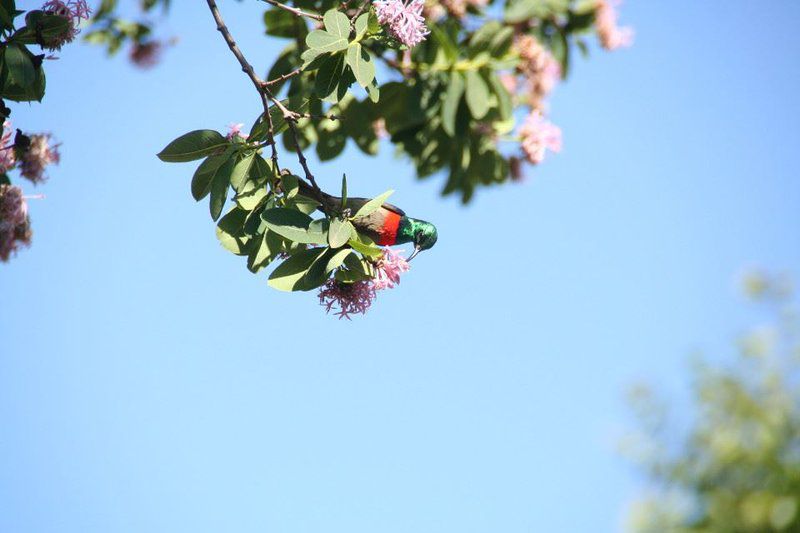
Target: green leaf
[(452, 98), (251, 196), (477, 93), (289, 274), (337, 23), (292, 224), (321, 42), (373, 205), (344, 191), (327, 79), (259, 255), (305, 205), (522, 10), (503, 98), (501, 42), (361, 25), (311, 59), (373, 92), (204, 175), (321, 269), (241, 170), (193, 145), (219, 188), (290, 184), (280, 23), (482, 37), (360, 62), (339, 232), (364, 245), (20, 80), (6, 18), (355, 270), (229, 231), (330, 143), (20, 67), (446, 43)]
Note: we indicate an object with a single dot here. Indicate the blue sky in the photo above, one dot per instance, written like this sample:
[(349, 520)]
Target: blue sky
[(149, 382)]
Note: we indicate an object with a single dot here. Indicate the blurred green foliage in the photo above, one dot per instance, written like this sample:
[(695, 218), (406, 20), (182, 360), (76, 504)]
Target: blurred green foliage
[(737, 468)]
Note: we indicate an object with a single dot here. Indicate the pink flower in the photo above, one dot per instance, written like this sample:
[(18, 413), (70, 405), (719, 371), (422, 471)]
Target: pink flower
[(235, 130), (403, 19), (349, 298), (39, 155), (388, 269), (539, 135), (540, 69), (7, 155), (15, 229), (357, 297), (146, 55), (73, 10), (611, 36)]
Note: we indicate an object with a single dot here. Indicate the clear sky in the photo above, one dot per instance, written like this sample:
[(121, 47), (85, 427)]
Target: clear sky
[(149, 382)]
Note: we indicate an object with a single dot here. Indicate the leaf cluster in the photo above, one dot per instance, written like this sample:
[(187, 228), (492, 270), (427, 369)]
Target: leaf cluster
[(270, 217)]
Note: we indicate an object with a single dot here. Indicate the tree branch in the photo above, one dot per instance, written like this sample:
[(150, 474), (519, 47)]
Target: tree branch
[(289, 116), (247, 68)]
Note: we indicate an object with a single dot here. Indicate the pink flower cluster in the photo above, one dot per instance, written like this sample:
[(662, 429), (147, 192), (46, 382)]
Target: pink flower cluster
[(73, 10), (7, 155), (610, 34), (388, 269), (357, 297), (403, 19), (351, 298), (540, 73), (539, 135), (538, 67), (39, 155), (31, 160), (235, 130), (15, 228)]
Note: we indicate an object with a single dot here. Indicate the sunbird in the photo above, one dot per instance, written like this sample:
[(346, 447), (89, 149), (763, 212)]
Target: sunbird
[(387, 226)]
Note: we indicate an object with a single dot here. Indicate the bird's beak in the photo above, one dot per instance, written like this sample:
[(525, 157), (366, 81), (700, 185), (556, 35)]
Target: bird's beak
[(414, 253)]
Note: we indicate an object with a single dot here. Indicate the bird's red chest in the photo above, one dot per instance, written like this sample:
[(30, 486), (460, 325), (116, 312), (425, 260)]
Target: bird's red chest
[(388, 232)]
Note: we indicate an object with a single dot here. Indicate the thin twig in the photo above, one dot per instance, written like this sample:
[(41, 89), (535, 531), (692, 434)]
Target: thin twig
[(320, 117), (358, 13), (296, 11), (284, 77)]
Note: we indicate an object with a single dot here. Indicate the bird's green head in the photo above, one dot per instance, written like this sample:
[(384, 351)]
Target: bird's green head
[(422, 234)]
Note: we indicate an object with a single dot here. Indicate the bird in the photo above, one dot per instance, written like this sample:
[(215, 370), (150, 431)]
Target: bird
[(386, 226)]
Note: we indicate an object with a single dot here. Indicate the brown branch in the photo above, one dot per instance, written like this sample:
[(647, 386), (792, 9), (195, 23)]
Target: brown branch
[(289, 116), (247, 68), (297, 12)]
